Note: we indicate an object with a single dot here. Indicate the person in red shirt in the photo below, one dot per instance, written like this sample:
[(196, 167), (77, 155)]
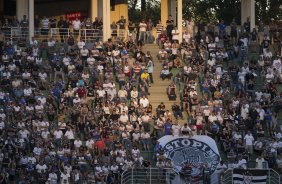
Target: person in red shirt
[(81, 92), (100, 144), (162, 38)]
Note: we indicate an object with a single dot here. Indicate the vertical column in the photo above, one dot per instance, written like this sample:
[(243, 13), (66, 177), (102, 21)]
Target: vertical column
[(100, 8), (94, 9), (22, 9), (248, 11), (243, 11), (173, 10), (106, 20), (164, 11), (252, 14), (179, 19), (31, 18)]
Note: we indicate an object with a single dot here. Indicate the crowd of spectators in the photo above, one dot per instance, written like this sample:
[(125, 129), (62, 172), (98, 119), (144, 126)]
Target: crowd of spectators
[(82, 114), (229, 83)]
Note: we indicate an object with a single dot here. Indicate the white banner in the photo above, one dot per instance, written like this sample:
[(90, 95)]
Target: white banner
[(198, 151)]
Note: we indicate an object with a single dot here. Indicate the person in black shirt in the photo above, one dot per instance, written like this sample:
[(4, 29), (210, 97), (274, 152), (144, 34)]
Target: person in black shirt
[(247, 26), (169, 27), (121, 24), (62, 25), (53, 25)]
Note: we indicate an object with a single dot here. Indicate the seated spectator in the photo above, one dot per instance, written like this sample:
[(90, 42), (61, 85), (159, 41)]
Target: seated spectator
[(165, 73)]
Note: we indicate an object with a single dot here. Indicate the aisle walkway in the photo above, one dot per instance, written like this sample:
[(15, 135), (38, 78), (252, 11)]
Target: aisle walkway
[(158, 89)]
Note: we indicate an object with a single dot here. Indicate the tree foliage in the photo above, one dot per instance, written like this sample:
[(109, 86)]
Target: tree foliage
[(144, 9), (207, 10)]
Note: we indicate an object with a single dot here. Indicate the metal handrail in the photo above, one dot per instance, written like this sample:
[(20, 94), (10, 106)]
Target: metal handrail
[(12, 33), (146, 175)]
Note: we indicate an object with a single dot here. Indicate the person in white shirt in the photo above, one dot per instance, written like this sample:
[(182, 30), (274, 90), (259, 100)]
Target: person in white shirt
[(76, 26), (65, 177), (237, 136), (242, 163), (259, 162), (144, 101), (69, 134), (245, 111), (41, 167), (80, 44), (77, 143), (175, 34), (176, 129), (58, 135), (53, 177), (249, 140), (142, 31), (145, 137)]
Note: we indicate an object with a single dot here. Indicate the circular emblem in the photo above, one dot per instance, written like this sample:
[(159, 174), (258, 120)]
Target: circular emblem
[(193, 152)]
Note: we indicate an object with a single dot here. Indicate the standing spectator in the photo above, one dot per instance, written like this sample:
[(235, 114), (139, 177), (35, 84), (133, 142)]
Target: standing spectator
[(45, 24), (142, 31), (53, 26), (62, 24), (76, 26), (249, 140), (24, 26), (169, 27), (159, 28), (15, 26), (175, 34), (247, 26), (37, 25), (222, 29), (176, 129), (150, 26), (259, 162), (122, 23), (114, 29)]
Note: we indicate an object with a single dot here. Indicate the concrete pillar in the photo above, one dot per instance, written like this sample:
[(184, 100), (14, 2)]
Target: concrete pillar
[(179, 19), (94, 9), (173, 11), (106, 20), (252, 14), (164, 11), (248, 11), (22, 9), (31, 18), (100, 8)]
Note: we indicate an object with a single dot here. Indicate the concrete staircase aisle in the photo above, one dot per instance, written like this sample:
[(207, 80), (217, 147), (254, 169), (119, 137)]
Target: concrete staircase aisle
[(158, 89)]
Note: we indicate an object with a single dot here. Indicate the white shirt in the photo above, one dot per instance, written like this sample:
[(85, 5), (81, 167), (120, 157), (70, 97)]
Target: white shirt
[(41, 168), (69, 134), (80, 44), (58, 134), (77, 143), (64, 177), (144, 102), (176, 130), (175, 34), (249, 140), (142, 27), (260, 163)]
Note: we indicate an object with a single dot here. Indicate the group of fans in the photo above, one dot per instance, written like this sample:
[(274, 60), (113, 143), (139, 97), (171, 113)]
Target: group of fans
[(78, 111)]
